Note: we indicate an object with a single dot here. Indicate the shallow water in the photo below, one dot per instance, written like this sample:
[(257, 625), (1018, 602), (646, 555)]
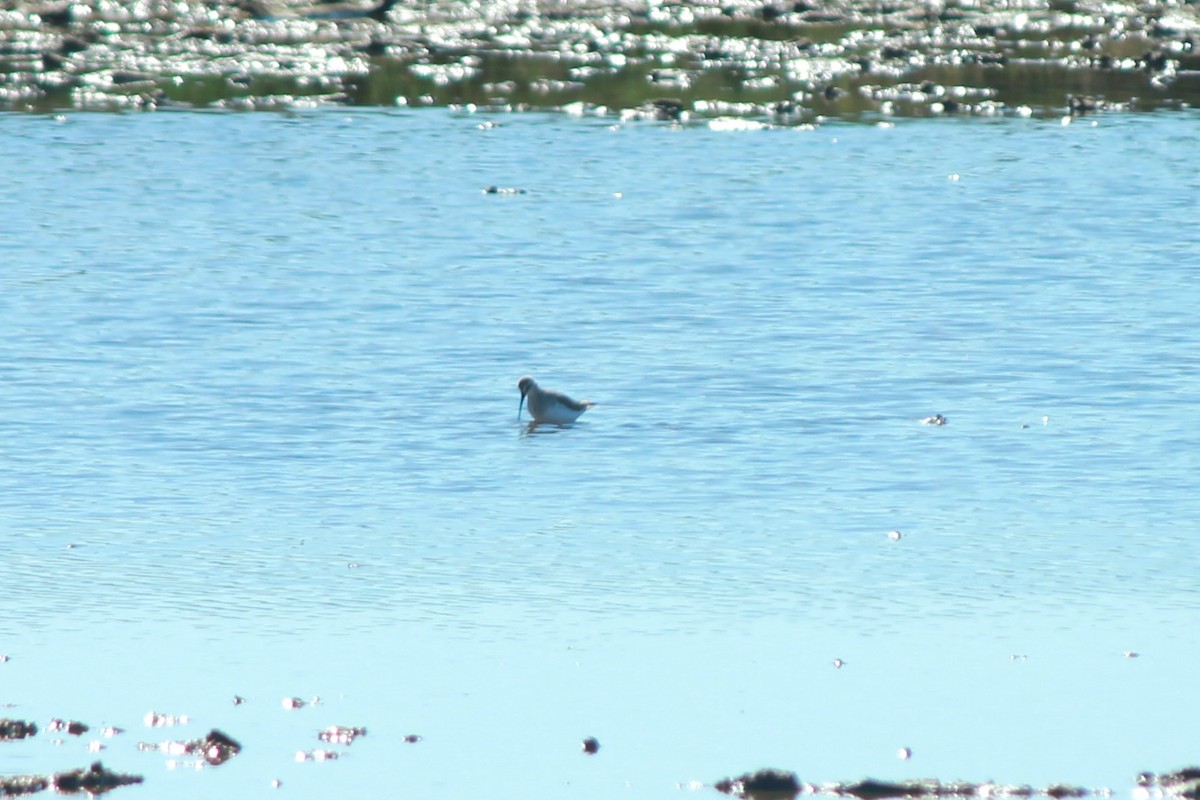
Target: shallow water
[(260, 438)]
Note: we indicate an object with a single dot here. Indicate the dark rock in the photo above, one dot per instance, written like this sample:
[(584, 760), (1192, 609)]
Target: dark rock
[(58, 16), (73, 44), (766, 784), (667, 108), (210, 34), (1083, 104), (1183, 783), (73, 728), (376, 48), (1153, 61), (381, 11), (876, 790), (18, 785), (217, 748), (16, 729), (93, 780), (123, 78), (1185, 775)]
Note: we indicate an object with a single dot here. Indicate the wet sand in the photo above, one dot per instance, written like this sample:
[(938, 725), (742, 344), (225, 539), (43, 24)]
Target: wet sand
[(780, 61)]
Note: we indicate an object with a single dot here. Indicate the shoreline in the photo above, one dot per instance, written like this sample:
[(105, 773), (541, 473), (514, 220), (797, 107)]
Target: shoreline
[(790, 63)]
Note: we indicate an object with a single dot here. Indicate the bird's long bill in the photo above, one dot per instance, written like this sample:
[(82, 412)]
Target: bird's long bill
[(520, 404)]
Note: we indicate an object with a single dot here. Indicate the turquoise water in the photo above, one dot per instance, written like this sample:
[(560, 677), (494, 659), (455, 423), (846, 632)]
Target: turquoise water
[(259, 437)]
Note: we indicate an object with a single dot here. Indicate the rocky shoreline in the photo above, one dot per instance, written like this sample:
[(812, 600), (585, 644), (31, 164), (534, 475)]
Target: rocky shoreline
[(217, 748), (777, 784), (779, 61)]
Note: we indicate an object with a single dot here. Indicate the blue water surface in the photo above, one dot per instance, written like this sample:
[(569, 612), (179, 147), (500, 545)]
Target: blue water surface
[(259, 437)]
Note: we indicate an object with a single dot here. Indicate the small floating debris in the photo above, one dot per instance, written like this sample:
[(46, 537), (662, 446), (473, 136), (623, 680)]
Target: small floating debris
[(1131, 654), (904, 753), (838, 663), (936, 419), (291, 703), (153, 719), (317, 755), (93, 780), (503, 190), (73, 728), (16, 729), (341, 734), (238, 700), (412, 738), (591, 745), (895, 536)]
